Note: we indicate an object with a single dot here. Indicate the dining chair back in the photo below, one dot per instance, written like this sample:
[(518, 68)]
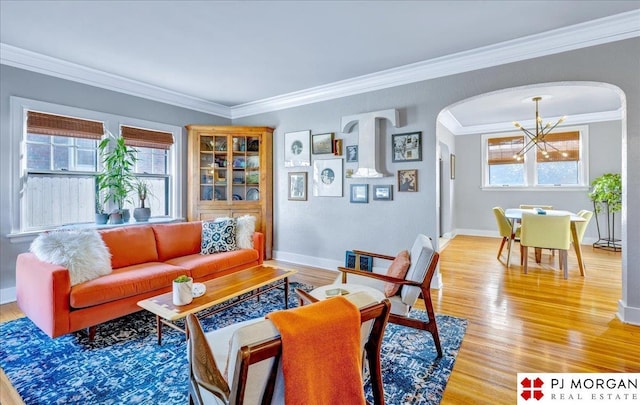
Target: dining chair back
[(505, 228), (531, 206), (581, 227), (548, 232)]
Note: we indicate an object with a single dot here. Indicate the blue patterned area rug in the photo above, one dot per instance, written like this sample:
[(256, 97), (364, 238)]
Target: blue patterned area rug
[(124, 364)]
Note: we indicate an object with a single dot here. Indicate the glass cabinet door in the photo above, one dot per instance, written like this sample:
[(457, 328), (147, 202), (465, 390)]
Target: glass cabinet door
[(246, 168), (213, 168)]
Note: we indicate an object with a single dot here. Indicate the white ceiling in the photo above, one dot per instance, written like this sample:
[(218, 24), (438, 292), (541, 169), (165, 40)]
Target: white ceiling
[(235, 54)]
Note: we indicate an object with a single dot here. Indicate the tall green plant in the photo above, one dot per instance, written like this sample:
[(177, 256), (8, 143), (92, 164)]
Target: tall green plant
[(116, 180), (607, 189)]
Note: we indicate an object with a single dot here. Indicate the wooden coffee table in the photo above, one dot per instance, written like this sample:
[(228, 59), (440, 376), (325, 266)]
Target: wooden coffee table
[(253, 282)]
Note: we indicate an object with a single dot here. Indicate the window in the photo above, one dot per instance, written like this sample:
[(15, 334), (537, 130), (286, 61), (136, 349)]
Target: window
[(55, 159), (152, 149), (559, 163), (61, 162)]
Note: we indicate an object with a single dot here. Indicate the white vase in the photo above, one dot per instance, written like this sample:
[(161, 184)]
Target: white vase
[(182, 292)]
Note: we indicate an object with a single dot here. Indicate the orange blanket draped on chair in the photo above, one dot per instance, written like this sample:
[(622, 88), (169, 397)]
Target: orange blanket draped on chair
[(321, 354)]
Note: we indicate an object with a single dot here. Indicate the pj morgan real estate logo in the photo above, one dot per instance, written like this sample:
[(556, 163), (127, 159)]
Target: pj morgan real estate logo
[(578, 388)]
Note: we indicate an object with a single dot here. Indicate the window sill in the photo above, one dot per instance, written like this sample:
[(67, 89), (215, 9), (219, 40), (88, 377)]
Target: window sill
[(28, 236), (536, 188)]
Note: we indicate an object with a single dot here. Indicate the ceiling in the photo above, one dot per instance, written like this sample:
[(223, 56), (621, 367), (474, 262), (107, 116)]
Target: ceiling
[(225, 56)]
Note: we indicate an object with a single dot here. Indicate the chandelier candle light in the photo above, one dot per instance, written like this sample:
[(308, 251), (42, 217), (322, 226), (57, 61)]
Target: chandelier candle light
[(537, 139)]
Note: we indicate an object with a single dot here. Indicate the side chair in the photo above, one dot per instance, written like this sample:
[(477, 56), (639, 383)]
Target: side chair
[(241, 363), (416, 283), (505, 229), (547, 232)]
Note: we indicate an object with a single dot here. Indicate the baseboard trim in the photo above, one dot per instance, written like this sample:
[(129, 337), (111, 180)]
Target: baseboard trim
[(7, 295), (628, 314)]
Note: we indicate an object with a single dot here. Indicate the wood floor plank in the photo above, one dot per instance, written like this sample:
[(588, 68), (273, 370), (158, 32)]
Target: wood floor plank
[(536, 322)]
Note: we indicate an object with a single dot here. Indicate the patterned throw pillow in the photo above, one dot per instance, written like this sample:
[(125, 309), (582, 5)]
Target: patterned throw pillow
[(218, 236)]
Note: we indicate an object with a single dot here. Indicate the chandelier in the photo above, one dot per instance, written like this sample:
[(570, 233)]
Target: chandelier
[(537, 139)]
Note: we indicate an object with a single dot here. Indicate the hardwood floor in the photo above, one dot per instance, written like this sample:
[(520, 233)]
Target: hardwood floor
[(537, 322)]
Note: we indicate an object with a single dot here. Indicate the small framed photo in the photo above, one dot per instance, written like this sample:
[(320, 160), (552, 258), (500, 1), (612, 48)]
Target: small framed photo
[(408, 180), (352, 153), (359, 193), (366, 262), (298, 186), (297, 150), (322, 143), (384, 193), (407, 147)]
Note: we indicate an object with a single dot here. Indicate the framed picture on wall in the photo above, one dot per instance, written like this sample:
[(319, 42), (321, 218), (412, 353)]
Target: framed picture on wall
[(297, 150), (407, 147), (352, 153), (383, 192), (359, 193), (298, 186), (408, 180), (322, 143), (327, 178)]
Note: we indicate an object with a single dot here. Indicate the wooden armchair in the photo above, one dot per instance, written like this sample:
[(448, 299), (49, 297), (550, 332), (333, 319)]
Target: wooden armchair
[(250, 355), (416, 283)]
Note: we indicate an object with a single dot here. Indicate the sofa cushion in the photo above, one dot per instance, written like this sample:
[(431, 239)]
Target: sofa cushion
[(130, 245), (179, 239), (204, 266), (124, 282), (219, 236)]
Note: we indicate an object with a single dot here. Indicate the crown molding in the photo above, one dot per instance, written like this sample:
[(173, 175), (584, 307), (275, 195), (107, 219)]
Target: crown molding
[(576, 119), (35, 62), (591, 33)]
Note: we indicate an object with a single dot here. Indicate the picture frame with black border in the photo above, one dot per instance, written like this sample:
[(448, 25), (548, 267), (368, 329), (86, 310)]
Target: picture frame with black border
[(383, 192), (297, 151), (406, 147), (298, 186), (359, 193), (408, 180), (322, 144), (366, 262), (352, 153)]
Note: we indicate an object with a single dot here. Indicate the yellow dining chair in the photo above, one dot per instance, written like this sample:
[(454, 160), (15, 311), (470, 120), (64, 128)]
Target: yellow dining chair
[(581, 227), (547, 232), (505, 228), (528, 207)]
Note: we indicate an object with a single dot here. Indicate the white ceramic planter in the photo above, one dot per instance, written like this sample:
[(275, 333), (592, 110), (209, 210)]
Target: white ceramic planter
[(182, 292)]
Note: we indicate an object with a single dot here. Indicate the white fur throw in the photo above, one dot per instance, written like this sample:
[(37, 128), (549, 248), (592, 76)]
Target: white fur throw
[(245, 230), (246, 226), (82, 252)]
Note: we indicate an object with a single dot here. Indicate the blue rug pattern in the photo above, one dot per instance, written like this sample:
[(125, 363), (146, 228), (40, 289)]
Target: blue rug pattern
[(124, 364)]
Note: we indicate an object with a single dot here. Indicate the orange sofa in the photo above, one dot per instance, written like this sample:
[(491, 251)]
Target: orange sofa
[(145, 260)]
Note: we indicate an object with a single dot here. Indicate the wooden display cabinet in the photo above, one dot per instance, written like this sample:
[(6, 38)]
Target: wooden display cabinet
[(231, 174)]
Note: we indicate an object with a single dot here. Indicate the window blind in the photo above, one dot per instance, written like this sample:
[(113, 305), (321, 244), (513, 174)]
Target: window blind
[(145, 138), (500, 151), (567, 143), (59, 125)]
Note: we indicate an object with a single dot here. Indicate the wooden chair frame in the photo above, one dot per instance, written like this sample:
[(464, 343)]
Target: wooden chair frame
[(425, 288), (205, 374)]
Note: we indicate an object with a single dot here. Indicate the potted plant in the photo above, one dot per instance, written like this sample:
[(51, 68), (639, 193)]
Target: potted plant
[(606, 191), (182, 287), (142, 188), (101, 216), (116, 180)]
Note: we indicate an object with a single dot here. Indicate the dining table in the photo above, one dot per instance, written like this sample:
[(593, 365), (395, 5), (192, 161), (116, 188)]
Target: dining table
[(515, 216)]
